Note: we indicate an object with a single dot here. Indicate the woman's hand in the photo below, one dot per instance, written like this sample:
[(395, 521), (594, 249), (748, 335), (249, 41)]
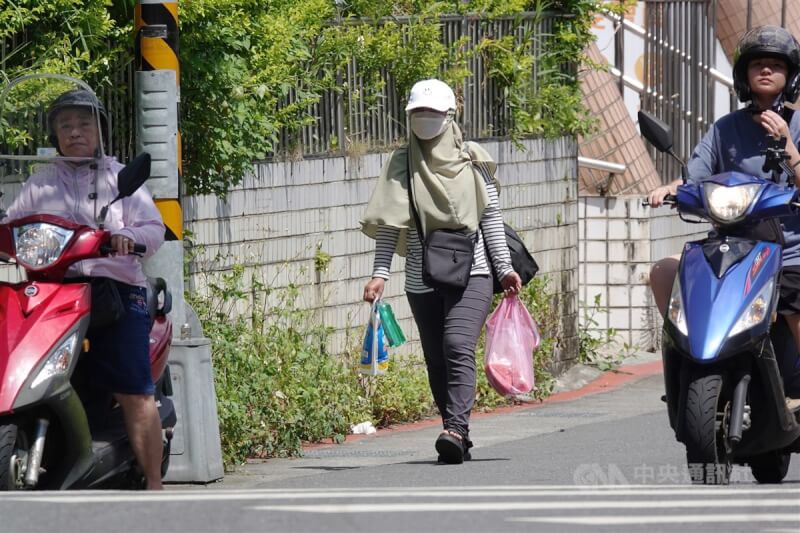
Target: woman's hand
[(373, 290), (122, 245), (511, 283), (775, 125), (657, 195)]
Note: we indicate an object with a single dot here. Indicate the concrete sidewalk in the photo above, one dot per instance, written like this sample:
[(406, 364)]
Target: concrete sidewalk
[(414, 442)]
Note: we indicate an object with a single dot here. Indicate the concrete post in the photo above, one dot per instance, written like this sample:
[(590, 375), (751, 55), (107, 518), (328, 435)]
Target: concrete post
[(196, 455)]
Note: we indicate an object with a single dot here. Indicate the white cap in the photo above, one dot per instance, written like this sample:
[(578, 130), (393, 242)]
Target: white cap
[(431, 94)]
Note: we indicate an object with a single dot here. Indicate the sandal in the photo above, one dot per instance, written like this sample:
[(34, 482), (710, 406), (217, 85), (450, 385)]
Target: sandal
[(452, 449)]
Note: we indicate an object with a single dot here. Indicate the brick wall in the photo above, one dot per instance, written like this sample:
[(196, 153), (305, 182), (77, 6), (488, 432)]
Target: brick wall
[(286, 213), (732, 19), (619, 241), (615, 140)]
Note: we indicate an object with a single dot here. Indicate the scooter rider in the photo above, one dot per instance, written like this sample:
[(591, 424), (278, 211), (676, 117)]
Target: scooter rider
[(766, 74), (118, 360)]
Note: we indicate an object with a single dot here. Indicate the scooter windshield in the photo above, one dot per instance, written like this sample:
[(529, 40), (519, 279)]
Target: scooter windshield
[(53, 138)]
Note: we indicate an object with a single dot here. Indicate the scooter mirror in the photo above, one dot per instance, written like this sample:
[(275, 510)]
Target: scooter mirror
[(133, 175), (129, 180), (657, 132)]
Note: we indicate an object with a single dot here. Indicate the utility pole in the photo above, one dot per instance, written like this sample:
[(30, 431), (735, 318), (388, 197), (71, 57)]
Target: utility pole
[(157, 107), (196, 454)]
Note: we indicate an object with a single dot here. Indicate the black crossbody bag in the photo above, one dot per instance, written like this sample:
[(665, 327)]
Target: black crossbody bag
[(447, 255)]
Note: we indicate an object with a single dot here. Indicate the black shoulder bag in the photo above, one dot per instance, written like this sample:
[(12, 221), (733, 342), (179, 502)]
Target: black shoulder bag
[(447, 255), (524, 264)]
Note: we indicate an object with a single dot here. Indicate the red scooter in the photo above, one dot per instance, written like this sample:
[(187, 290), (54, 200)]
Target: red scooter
[(56, 430)]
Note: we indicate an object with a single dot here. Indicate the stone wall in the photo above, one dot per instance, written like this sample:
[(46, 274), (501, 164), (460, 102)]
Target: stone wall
[(288, 218)]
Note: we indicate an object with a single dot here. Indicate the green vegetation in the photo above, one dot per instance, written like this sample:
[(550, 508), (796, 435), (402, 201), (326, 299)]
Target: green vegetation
[(593, 340), (252, 70), (277, 387)]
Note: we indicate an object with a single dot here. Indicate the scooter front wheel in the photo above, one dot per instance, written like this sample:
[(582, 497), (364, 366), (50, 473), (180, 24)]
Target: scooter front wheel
[(14, 449), (704, 436)]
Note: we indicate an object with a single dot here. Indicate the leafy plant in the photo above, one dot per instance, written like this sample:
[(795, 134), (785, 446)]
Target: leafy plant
[(592, 339), (276, 387), (402, 394), (56, 36)]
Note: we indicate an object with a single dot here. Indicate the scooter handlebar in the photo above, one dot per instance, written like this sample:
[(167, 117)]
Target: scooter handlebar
[(138, 249), (670, 199)]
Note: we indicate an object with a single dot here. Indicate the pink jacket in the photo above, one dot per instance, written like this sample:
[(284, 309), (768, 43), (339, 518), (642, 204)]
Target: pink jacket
[(60, 189)]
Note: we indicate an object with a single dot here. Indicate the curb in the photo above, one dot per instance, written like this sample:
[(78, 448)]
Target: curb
[(607, 381)]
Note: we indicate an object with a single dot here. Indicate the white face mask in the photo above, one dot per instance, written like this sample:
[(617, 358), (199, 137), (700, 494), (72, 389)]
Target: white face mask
[(429, 124)]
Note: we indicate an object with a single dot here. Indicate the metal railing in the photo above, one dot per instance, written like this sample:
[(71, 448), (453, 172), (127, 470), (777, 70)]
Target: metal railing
[(343, 119), (680, 76), (680, 45)]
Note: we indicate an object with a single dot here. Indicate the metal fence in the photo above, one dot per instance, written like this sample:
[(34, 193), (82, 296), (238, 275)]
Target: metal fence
[(344, 118), (679, 54)]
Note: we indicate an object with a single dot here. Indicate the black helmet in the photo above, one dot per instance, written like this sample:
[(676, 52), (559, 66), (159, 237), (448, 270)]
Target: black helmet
[(767, 41), (75, 98)]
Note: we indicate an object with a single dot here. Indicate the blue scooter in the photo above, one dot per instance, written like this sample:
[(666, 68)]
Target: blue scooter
[(729, 359)]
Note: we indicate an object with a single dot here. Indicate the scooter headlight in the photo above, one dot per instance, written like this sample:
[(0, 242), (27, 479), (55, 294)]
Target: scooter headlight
[(728, 204), (59, 361), (756, 312), (675, 310), (39, 245)]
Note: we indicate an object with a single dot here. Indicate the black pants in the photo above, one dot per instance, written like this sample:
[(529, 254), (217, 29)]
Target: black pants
[(449, 323)]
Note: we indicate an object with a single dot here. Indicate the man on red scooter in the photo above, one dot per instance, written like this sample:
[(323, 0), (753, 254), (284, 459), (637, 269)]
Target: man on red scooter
[(118, 358)]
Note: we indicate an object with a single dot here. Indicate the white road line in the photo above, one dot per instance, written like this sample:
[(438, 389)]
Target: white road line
[(526, 506), (679, 519), (380, 493)]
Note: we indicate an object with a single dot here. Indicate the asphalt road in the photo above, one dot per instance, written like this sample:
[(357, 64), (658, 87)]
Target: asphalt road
[(605, 461)]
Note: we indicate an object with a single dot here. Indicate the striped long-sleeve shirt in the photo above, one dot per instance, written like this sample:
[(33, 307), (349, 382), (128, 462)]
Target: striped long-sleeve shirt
[(490, 232)]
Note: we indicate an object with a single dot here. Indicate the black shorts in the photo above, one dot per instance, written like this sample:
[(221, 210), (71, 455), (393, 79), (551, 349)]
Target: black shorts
[(789, 301)]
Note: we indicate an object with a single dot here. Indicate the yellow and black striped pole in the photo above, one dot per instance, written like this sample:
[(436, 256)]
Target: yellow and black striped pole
[(156, 27), (158, 133)]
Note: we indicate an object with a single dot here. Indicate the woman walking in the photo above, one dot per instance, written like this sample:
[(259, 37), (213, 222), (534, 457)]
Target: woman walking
[(453, 188)]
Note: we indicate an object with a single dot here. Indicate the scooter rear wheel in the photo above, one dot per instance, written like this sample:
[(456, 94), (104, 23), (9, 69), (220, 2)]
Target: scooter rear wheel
[(707, 457), (770, 467)]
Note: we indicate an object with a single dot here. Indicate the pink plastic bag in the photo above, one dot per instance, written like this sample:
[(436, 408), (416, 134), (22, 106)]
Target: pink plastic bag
[(511, 337)]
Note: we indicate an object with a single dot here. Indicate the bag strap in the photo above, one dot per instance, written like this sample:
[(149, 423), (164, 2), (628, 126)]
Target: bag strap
[(487, 179), (410, 179)]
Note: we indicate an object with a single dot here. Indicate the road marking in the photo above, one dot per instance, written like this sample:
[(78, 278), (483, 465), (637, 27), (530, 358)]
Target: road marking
[(679, 519), (707, 493), (525, 506)]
